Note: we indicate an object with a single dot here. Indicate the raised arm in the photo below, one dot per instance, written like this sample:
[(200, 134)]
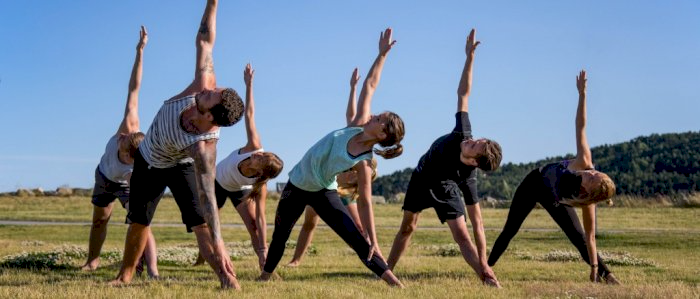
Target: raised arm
[(583, 152), (372, 80), (251, 131), (364, 204), (130, 123), (589, 228), (465, 82), (351, 111), (204, 77)]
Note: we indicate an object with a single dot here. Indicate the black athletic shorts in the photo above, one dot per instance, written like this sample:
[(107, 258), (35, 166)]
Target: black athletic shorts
[(106, 191), (147, 187), (236, 196), (444, 197)]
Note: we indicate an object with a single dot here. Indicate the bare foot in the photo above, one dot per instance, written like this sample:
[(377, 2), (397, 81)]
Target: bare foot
[(391, 279), (611, 279), (90, 265), (230, 282), (492, 282), (264, 276), (293, 264), (117, 283), (200, 261)]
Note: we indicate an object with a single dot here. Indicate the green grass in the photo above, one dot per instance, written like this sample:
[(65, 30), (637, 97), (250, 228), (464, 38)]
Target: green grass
[(655, 250)]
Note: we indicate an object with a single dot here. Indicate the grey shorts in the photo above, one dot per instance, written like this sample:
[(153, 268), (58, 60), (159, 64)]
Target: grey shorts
[(105, 191)]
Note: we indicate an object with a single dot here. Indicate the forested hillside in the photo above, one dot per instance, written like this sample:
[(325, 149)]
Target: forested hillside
[(659, 164)]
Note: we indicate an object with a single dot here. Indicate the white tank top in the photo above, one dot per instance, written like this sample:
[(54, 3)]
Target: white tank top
[(229, 176), (166, 142), (110, 166)]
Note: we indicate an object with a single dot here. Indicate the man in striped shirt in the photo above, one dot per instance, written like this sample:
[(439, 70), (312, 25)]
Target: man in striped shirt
[(179, 152)]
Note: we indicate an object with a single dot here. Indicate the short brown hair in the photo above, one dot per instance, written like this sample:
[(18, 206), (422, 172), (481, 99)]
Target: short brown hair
[(490, 159), (394, 131), (230, 110)]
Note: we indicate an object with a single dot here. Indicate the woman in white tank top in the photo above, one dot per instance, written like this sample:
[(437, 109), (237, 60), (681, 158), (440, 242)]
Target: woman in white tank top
[(242, 176)]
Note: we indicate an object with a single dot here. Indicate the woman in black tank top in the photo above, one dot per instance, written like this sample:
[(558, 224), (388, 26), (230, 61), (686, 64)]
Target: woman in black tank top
[(559, 187)]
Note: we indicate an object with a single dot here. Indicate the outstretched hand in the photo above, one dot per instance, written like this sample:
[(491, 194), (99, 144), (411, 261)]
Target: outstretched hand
[(472, 43), (581, 82), (143, 39), (355, 77), (385, 42), (248, 74)]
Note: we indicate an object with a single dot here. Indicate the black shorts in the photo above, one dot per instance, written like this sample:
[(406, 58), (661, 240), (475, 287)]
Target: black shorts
[(147, 187), (236, 196), (106, 191), (444, 197)]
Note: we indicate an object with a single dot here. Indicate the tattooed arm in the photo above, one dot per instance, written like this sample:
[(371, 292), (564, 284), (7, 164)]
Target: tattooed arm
[(204, 154), (204, 77)]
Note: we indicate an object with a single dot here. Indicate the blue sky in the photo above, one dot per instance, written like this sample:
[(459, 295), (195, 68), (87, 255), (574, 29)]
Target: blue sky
[(65, 65)]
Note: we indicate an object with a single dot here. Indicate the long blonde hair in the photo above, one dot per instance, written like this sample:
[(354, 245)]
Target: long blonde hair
[(350, 191), (271, 169)]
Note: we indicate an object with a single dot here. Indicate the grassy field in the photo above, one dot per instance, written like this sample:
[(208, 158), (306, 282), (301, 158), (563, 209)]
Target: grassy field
[(654, 251)]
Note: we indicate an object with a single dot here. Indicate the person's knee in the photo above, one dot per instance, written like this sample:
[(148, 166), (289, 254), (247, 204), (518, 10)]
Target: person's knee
[(461, 238), (101, 219), (309, 225), (408, 229)]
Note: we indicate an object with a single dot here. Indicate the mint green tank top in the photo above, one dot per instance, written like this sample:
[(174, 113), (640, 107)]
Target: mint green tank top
[(325, 159)]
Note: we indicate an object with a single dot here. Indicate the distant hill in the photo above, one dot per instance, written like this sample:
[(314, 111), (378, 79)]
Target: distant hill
[(658, 164)]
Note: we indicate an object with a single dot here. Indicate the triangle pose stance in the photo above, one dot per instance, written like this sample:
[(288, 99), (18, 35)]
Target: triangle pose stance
[(313, 180), (559, 187), (448, 166), (347, 188), (113, 174), (243, 176), (179, 152)]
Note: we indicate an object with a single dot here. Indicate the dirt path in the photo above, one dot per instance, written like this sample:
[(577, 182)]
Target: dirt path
[(323, 226)]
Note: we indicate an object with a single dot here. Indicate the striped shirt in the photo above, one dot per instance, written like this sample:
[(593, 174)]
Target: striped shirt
[(166, 142)]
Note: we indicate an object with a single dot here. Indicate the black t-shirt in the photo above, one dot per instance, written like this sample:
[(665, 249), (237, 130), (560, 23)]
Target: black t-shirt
[(441, 163)]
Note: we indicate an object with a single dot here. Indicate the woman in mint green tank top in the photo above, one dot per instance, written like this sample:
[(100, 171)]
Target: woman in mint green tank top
[(313, 180), (347, 188)]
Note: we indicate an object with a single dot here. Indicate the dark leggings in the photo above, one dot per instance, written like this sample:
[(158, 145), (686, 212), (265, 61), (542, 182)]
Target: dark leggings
[(529, 193), (330, 208)]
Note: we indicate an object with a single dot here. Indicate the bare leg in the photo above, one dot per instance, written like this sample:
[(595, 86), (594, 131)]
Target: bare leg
[(305, 236), (248, 215), (355, 215), (98, 233), (136, 238), (222, 268), (403, 237), (151, 256), (460, 234)]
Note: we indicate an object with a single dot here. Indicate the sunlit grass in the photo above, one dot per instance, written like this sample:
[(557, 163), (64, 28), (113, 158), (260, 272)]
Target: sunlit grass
[(656, 250)]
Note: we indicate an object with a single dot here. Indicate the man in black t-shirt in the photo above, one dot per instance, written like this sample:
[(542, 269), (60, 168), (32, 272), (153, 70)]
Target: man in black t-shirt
[(449, 166)]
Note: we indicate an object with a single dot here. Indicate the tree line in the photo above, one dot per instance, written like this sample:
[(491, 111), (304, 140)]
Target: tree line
[(658, 164)]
